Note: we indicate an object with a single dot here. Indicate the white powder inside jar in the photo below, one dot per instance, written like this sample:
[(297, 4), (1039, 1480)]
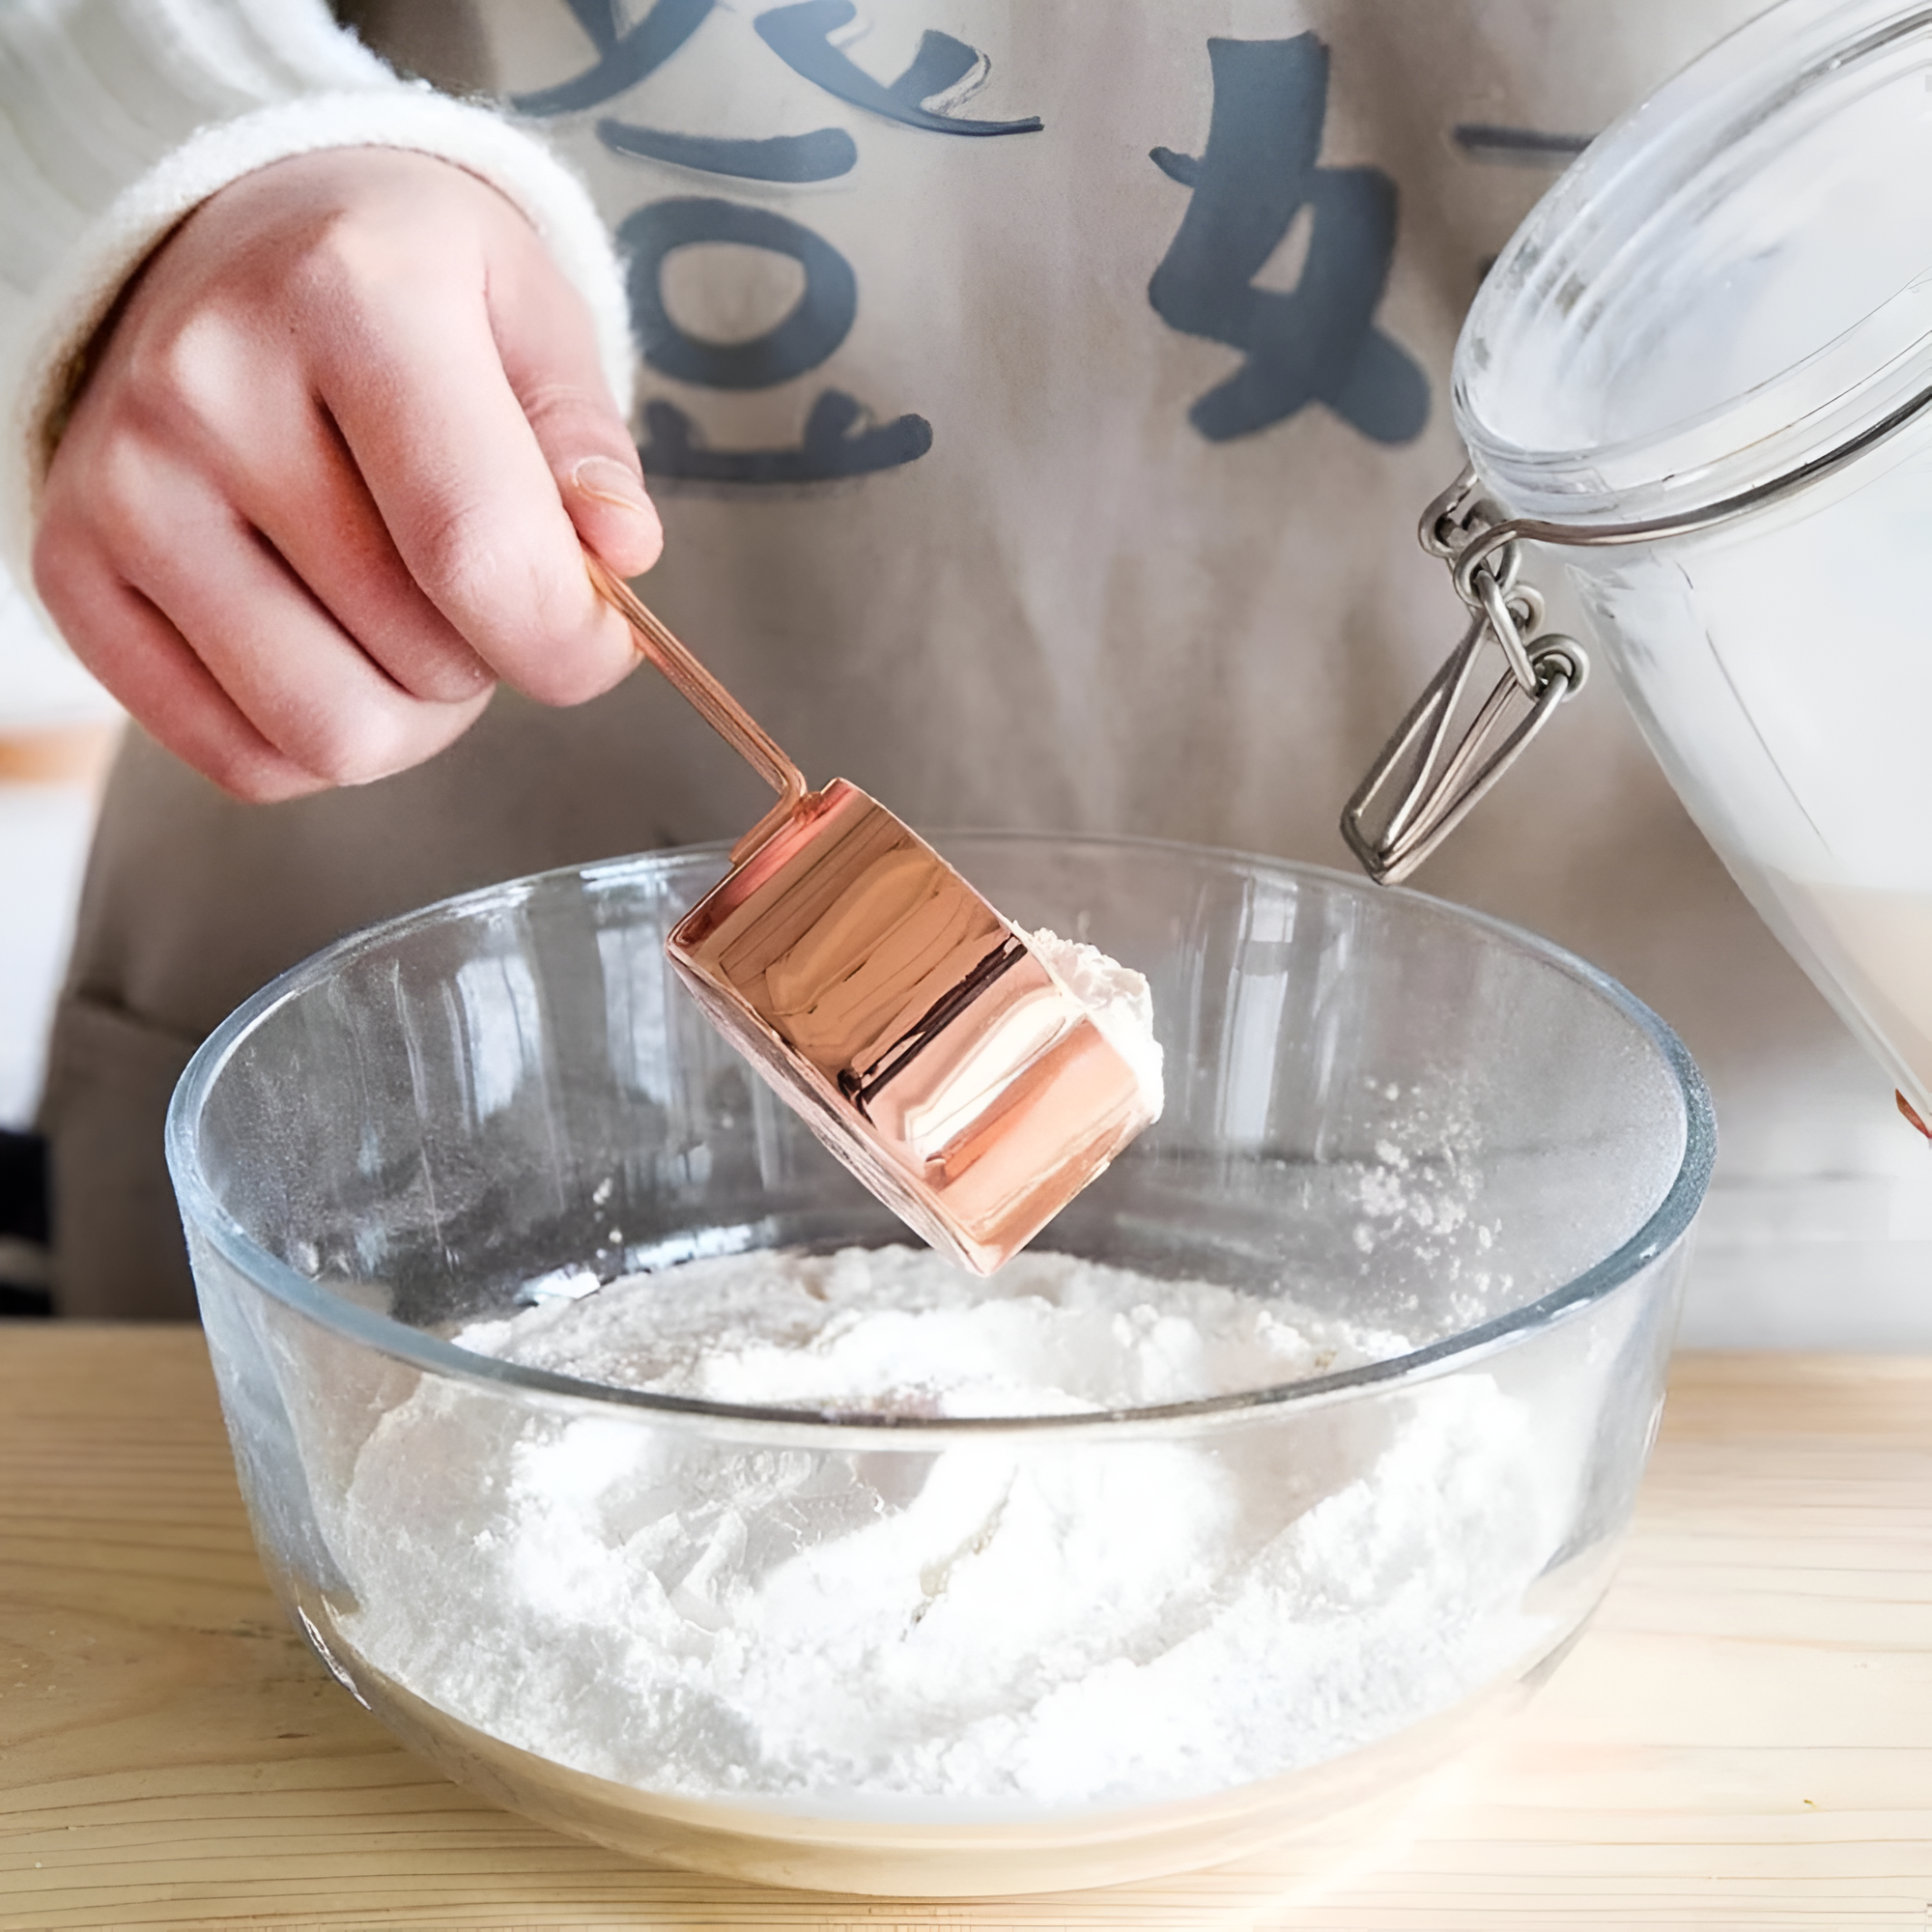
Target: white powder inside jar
[(1019, 1621)]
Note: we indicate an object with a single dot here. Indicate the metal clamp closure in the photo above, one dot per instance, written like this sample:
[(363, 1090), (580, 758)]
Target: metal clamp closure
[(1435, 784)]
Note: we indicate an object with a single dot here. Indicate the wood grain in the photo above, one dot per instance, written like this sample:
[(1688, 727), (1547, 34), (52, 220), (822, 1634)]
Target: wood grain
[(1743, 1739)]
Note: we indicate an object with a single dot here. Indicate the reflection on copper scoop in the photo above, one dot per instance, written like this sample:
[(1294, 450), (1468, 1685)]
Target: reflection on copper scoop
[(891, 1005)]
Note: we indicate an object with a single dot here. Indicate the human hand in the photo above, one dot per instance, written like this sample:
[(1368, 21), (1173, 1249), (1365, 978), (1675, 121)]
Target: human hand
[(330, 476)]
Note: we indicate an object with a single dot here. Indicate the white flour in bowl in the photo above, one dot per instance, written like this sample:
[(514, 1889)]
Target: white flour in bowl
[(1016, 1620)]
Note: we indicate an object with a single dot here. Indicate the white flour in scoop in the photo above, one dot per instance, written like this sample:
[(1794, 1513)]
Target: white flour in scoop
[(1117, 1000), (1019, 1621)]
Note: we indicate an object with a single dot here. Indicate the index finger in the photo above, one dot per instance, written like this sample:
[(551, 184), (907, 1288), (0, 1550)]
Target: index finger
[(418, 390)]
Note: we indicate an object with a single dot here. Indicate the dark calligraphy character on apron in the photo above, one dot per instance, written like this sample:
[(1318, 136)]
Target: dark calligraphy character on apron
[(839, 436), (1314, 343)]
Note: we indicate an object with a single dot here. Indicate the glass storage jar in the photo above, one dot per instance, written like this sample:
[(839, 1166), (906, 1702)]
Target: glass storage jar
[(1698, 382)]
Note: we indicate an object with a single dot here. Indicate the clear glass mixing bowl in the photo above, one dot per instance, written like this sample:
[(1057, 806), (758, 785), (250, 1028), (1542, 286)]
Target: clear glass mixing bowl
[(1379, 1107)]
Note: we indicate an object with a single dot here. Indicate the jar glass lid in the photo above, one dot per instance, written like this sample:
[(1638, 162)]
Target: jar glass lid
[(1731, 282)]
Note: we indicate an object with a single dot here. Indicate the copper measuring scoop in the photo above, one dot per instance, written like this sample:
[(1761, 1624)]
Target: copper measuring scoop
[(889, 1004)]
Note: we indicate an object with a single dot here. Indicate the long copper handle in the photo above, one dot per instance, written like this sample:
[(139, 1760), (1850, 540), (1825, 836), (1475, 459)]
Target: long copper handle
[(711, 701)]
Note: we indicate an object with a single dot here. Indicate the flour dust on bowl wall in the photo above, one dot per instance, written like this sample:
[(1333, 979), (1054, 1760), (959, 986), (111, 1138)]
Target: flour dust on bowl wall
[(617, 1449)]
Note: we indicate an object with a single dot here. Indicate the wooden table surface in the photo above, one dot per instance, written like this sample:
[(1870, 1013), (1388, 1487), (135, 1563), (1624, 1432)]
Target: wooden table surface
[(1742, 1739)]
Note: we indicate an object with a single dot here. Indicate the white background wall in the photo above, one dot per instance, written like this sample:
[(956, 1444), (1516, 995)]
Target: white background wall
[(45, 699)]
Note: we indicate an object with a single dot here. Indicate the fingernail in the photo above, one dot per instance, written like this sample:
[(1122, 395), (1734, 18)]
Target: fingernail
[(608, 481)]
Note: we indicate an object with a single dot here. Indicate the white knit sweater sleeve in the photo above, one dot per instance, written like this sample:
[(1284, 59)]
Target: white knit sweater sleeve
[(117, 117)]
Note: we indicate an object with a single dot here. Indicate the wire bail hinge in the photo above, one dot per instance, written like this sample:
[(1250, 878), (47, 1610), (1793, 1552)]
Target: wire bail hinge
[(1429, 776)]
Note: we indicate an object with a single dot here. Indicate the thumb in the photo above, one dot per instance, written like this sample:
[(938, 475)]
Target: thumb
[(548, 347), (606, 501)]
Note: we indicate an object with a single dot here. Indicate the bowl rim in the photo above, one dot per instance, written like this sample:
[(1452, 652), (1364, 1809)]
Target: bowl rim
[(203, 1212)]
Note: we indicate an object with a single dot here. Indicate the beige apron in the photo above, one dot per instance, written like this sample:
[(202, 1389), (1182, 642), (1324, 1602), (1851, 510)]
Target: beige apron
[(1047, 506)]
